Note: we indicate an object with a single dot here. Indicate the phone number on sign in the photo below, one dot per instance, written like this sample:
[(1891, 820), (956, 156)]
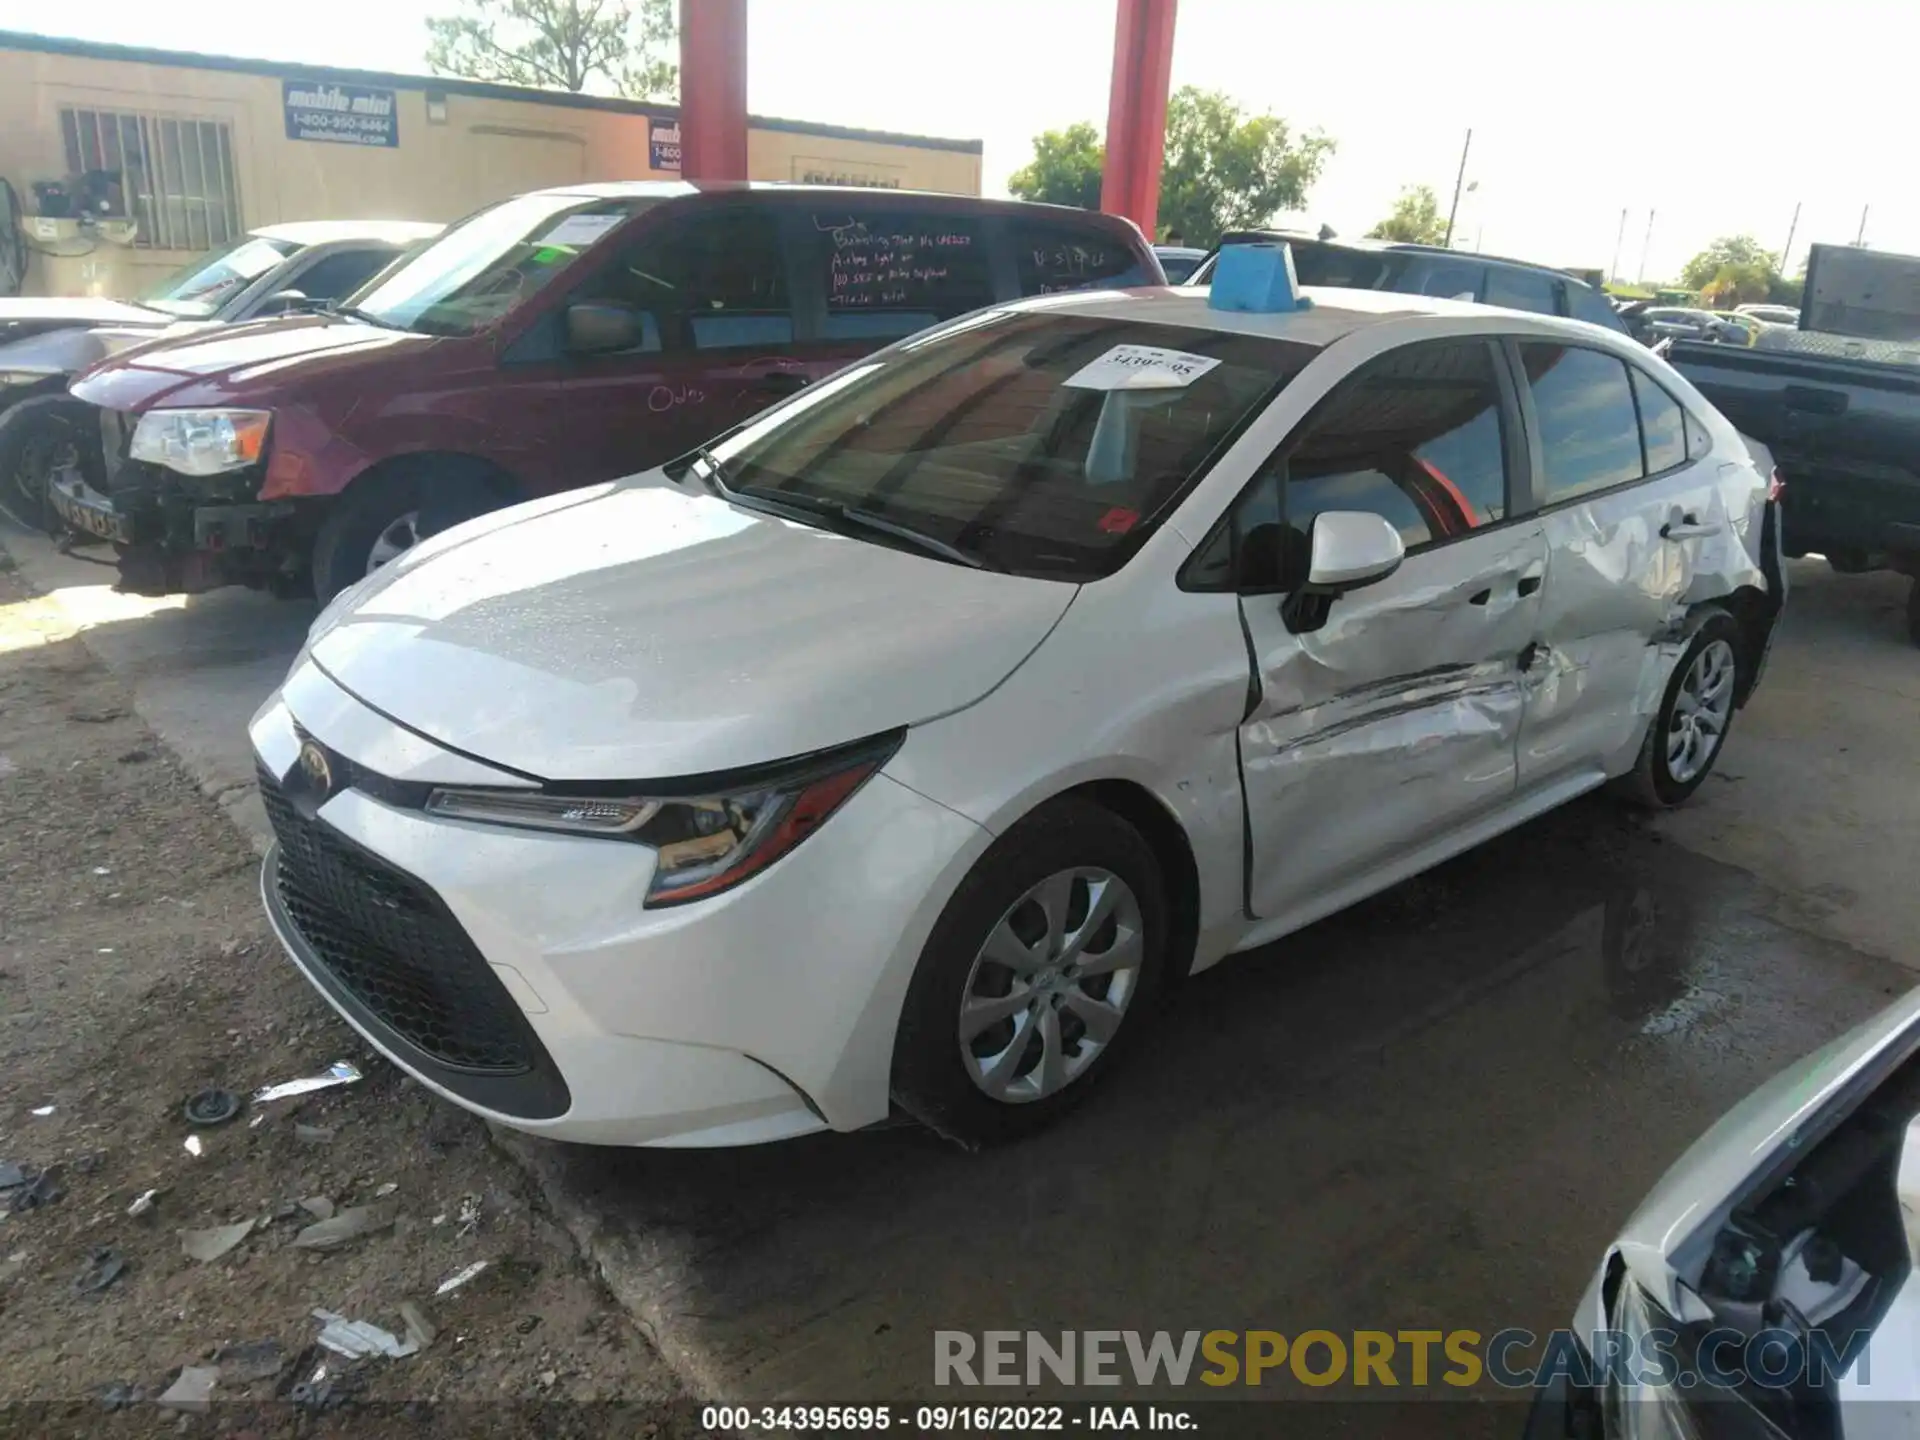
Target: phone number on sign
[(987, 1419)]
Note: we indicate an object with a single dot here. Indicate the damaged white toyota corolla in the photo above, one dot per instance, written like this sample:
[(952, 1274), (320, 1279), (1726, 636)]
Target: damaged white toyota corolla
[(897, 751)]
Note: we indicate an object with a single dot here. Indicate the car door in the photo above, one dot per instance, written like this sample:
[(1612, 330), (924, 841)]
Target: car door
[(1627, 491), (707, 293), (1388, 720)]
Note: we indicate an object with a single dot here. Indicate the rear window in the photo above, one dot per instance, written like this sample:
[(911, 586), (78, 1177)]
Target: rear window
[(1043, 444), (1053, 258), (887, 273)]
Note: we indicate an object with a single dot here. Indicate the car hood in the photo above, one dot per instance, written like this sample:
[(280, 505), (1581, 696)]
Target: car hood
[(21, 318), (68, 351), (235, 364), (637, 631)]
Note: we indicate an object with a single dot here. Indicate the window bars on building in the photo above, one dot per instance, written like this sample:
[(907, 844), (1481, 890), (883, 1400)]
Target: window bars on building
[(176, 176)]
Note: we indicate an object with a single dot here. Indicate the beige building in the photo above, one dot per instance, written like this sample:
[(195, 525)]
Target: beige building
[(207, 147)]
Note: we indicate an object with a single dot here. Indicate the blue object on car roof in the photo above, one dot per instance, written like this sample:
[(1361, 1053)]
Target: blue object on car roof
[(1256, 279)]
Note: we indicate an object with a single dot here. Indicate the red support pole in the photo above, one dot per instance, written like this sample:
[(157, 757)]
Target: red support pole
[(1137, 111), (713, 89)]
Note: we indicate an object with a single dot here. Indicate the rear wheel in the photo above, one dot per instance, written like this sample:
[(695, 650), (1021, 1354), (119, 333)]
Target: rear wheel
[(1043, 969), (1690, 728), (385, 515)]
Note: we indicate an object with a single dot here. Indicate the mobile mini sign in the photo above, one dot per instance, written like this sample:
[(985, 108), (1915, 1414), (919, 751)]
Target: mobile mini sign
[(340, 114)]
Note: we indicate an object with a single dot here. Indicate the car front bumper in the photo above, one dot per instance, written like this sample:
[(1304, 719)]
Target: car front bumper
[(521, 976)]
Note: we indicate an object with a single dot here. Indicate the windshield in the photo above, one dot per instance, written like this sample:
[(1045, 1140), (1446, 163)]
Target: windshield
[(490, 264), (1043, 444), (206, 284)]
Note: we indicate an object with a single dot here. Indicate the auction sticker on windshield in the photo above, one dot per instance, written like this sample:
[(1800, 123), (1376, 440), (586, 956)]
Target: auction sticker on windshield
[(1141, 367), (580, 231)]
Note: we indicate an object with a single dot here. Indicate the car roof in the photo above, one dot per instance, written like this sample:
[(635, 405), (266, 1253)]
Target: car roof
[(1335, 313), (325, 232), (1180, 252), (859, 194)]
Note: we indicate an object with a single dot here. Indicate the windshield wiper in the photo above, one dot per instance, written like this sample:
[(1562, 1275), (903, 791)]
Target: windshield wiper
[(354, 312), (851, 515)]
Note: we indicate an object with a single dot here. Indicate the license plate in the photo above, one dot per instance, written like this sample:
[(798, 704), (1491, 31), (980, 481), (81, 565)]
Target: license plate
[(85, 509)]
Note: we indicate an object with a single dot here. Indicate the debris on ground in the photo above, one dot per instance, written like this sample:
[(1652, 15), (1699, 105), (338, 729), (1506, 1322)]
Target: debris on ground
[(385, 1190), (210, 1244), (40, 1191), (341, 1072), (455, 1281), (43, 1111), (318, 1206), (345, 1226), (192, 1392), (103, 1267), (314, 1134), (121, 1396), (209, 1108), (357, 1339), (143, 1203), (251, 1363), (469, 1214), (420, 1328), (194, 1146), (11, 1175)]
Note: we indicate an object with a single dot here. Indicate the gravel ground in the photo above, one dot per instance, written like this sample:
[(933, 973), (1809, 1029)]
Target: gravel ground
[(135, 971)]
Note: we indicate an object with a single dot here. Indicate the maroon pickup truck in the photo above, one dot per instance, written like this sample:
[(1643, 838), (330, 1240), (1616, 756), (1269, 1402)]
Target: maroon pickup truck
[(557, 339)]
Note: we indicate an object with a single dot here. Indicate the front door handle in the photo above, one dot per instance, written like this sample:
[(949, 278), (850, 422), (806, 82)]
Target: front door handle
[(783, 382), (1528, 584)]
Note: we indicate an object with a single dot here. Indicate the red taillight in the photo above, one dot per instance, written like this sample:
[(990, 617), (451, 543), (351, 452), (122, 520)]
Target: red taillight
[(1776, 487)]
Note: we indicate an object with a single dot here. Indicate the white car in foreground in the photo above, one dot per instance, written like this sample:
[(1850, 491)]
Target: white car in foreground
[(903, 747)]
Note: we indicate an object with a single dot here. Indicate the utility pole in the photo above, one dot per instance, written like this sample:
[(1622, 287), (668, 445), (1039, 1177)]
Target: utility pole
[(1860, 240), (1458, 181), (1645, 246), (1618, 241), (1787, 253)]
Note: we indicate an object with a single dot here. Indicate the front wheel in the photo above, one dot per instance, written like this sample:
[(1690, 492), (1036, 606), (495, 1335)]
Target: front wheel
[(1690, 728), (1044, 968), (42, 438), (384, 516)]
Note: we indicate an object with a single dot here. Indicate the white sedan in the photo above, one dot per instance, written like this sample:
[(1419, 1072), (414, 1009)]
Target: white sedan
[(904, 747)]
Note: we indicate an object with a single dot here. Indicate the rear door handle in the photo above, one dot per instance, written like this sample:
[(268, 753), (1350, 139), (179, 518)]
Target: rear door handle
[(1528, 584), (1687, 528)]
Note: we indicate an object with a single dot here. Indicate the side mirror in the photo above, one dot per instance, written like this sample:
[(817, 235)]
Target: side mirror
[(1352, 548), (594, 328), (287, 302)]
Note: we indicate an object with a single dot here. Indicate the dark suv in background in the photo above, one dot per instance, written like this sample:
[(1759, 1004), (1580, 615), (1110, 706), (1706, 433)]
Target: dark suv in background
[(1429, 270)]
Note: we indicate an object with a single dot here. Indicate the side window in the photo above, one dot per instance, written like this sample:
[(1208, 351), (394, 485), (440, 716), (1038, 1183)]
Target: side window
[(713, 281), (1450, 280), (1663, 424), (1416, 437), (889, 273), (338, 275), (1592, 306), (1589, 430), (1052, 258), (1521, 290)]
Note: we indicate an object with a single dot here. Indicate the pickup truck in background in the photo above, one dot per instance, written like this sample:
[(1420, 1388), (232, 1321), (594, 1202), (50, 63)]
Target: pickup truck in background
[(1837, 401)]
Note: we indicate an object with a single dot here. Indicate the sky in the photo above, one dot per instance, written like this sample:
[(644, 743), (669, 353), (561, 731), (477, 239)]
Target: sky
[(1705, 117)]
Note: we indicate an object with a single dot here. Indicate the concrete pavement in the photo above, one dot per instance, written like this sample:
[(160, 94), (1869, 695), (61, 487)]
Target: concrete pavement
[(1433, 1110)]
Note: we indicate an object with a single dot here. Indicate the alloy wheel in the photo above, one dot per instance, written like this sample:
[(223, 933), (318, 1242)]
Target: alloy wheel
[(1050, 987), (394, 541), (1701, 709)]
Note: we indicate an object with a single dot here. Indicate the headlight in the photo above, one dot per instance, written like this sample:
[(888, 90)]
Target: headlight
[(705, 843), (201, 442)]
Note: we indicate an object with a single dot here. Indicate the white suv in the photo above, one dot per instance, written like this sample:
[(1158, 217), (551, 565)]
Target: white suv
[(904, 745)]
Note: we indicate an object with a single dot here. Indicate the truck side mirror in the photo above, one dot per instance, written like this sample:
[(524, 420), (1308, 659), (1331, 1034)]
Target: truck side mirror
[(595, 328)]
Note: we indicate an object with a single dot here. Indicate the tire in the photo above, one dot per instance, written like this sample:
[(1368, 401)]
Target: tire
[(1654, 782), (941, 1080), (437, 496), (32, 443)]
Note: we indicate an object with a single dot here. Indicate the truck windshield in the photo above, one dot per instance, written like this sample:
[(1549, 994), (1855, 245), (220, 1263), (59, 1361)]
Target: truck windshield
[(488, 265), (194, 293), (1043, 444)]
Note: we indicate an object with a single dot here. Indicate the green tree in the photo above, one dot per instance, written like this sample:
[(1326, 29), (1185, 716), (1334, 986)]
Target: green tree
[(1736, 251), (1065, 169), (560, 44), (1227, 170), (1416, 219)]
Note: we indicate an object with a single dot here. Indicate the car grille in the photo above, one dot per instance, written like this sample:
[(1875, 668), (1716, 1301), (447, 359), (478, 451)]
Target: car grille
[(389, 942)]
